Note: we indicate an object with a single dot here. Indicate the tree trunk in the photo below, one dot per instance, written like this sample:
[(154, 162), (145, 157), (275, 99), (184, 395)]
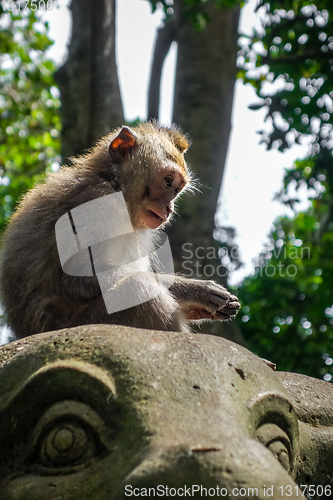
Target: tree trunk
[(88, 81), (205, 79)]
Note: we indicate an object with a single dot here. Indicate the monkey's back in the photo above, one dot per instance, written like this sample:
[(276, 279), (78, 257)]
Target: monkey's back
[(31, 277), (37, 294)]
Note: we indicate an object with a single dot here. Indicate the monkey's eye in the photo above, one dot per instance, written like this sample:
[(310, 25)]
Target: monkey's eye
[(168, 181)]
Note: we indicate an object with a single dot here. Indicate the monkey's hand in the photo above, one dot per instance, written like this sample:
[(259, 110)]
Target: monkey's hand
[(202, 299)]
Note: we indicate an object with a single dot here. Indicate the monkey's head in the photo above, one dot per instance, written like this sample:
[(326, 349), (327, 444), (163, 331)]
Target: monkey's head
[(151, 170)]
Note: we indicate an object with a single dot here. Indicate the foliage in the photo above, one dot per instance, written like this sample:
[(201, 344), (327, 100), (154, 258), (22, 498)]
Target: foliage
[(195, 10), (290, 65), (228, 249), (30, 124), (287, 315)]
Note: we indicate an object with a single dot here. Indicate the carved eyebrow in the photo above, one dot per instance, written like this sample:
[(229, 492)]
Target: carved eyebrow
[(276, 408), (82, 383), (58, 381), (74, 378), (83, 367)]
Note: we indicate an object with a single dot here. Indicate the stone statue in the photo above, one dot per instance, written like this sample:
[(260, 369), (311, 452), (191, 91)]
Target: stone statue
[(107, 412)]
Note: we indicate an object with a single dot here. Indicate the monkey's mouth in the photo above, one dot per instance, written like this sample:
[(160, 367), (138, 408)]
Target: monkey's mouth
[(152, 219), (157, 217)]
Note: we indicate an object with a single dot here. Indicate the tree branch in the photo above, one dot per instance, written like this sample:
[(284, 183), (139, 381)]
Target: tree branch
[(165, 37), (88, 82)]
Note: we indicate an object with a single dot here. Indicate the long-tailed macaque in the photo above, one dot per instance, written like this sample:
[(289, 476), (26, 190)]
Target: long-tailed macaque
[(146, 164)]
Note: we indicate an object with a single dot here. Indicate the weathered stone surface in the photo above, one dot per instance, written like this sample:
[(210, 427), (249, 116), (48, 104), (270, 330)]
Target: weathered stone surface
[(313, 402), (85, 412)]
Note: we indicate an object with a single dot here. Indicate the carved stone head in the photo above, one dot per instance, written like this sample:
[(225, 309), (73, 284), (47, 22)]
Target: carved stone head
[(106, 412)]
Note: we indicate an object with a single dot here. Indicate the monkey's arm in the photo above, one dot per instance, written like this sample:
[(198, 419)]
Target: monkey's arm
[(204, 299)]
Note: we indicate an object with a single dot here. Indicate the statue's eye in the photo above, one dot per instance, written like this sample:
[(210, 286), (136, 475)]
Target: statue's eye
[(67, 443), (280, 451), (69, 434), (168, 181), (277, 441)]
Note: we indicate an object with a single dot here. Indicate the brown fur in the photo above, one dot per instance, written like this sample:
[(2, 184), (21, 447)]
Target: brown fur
[(38, 296)]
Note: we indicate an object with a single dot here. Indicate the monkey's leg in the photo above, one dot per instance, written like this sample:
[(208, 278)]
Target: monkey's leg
[(156, 308), (202, 299)]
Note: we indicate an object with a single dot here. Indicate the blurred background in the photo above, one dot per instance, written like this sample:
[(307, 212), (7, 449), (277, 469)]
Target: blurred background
[(252, 86)]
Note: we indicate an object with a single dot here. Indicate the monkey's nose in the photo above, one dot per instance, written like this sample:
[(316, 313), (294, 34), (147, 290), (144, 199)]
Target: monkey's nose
[(169, 207)]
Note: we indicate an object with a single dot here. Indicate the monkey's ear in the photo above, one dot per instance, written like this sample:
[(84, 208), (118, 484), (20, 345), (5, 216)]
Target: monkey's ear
[(123, 144), (182, 144), (178, 138)]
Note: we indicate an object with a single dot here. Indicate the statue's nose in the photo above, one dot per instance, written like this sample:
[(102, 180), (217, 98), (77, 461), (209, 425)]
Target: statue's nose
[(239, 469)]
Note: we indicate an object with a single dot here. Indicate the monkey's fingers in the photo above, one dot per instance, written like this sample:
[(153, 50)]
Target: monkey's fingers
[(213, 288), (216, 297), (209, 300), (229, 311), (233, 298), (223, 316), (233, 304)]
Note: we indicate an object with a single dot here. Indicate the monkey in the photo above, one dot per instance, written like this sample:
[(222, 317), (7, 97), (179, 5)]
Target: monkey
[(146, 164)]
